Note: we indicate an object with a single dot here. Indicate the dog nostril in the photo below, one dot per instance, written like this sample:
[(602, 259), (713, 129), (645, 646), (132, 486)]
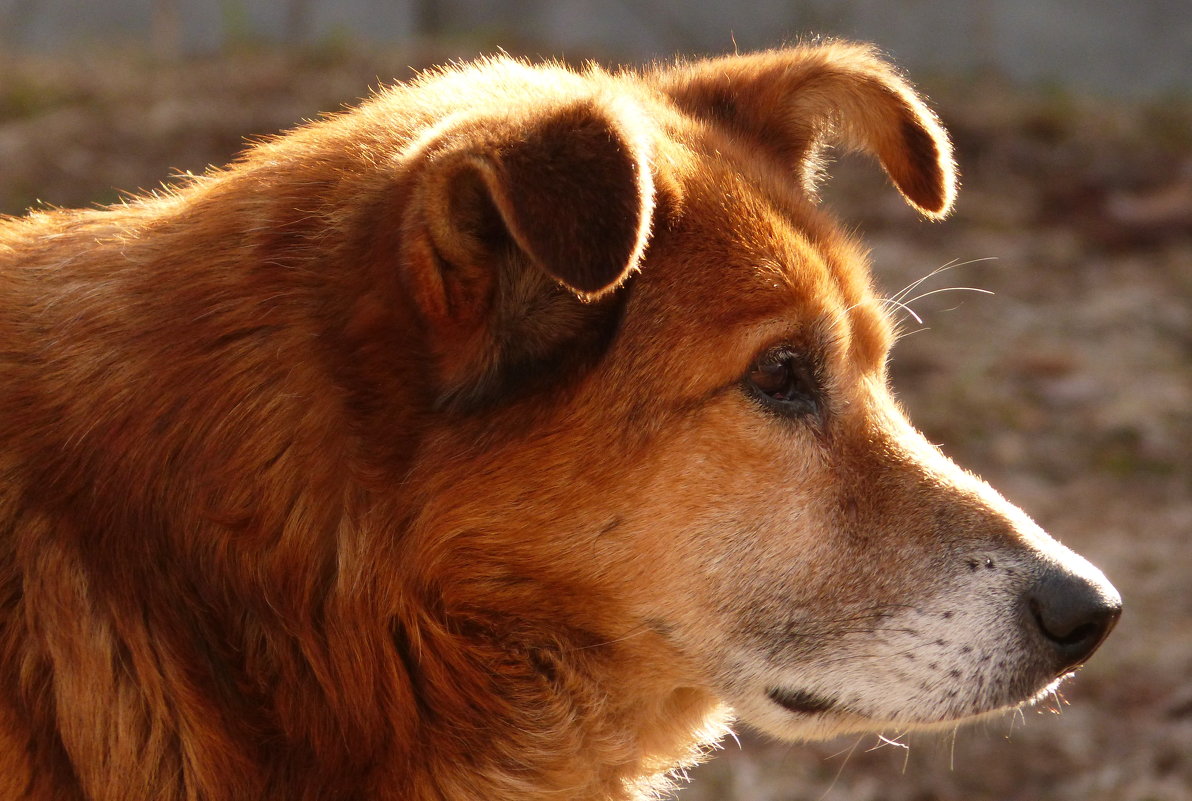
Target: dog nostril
[(1074, 616), (1055, 632)]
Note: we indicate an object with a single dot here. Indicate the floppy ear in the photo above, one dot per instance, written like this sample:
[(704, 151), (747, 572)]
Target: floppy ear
[(513, 225), (568, 188), (794, 102)]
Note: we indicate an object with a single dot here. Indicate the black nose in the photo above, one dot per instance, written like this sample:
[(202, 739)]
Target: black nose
[(1074, 615)]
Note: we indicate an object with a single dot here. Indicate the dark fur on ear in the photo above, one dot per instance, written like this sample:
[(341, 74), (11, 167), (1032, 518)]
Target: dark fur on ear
[(515, 227), (793, 102)]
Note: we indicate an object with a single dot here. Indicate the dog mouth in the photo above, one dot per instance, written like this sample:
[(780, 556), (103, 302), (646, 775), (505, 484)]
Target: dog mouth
[(801, 702)]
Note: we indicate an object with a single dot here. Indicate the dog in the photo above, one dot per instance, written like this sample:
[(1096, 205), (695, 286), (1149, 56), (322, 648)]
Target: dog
[(505, 437)]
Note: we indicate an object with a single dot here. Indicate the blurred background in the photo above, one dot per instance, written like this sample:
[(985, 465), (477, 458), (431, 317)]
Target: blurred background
[(1069, 388)]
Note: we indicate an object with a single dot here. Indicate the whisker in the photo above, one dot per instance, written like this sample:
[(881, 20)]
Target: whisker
[(883, 741), (950, 289), (906, 290), (1018, 715), (904, 307), (848, 749), (840, 770), (895, 741), (636, 632), (900, 300)]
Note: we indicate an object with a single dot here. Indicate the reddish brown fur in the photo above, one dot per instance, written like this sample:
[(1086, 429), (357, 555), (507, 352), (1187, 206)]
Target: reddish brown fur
[(330, 474)]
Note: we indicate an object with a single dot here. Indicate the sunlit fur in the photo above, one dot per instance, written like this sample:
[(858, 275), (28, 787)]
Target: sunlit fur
[(409, 457)]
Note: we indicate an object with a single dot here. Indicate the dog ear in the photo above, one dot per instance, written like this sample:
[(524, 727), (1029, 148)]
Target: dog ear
[(794, 102), (568, 190), (515, 226)]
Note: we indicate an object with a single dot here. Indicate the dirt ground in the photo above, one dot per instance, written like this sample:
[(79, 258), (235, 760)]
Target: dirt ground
[(1069, 388)]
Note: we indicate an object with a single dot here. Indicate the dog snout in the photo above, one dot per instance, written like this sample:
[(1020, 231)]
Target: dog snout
[(1073, 613)]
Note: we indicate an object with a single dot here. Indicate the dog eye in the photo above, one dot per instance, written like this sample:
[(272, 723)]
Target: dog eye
[(784, 381)]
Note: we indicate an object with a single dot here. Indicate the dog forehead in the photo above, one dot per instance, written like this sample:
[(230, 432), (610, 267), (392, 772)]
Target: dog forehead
[(744, 249)]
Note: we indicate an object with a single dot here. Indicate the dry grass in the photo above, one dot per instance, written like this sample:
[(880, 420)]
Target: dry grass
[(1070, 388)]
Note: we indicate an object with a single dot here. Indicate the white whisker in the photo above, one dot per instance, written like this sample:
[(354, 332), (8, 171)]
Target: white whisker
[(950, 289), (906, 290), (905, 308), (883, 741), (900, 298)]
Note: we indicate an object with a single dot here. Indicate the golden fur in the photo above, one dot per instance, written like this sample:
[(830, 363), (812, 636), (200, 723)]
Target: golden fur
[(410, 456)]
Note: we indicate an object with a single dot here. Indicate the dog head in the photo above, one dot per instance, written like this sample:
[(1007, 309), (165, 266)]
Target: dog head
[(662, 417)]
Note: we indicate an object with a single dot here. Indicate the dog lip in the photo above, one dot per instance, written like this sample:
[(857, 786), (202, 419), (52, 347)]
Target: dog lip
[(800, 702)]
